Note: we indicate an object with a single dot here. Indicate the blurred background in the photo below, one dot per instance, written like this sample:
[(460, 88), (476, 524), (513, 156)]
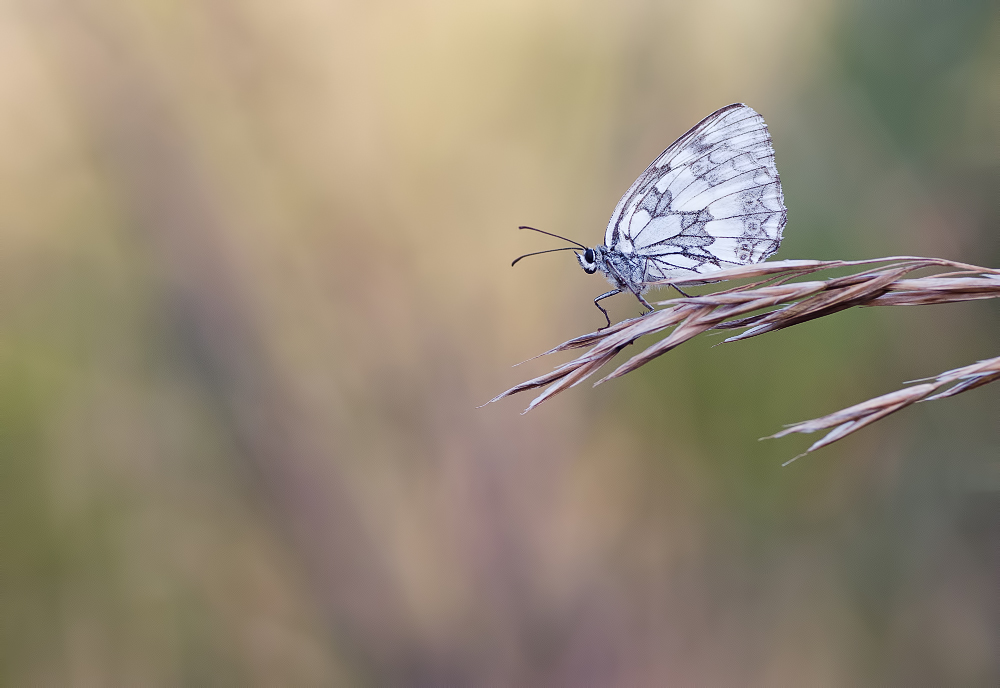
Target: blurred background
[(256, 278)]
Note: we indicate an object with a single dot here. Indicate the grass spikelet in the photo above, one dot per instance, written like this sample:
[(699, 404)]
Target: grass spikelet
[(775, 302)]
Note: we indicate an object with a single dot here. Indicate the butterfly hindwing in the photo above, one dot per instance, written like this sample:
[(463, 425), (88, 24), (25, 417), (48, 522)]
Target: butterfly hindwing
[(710, 201)]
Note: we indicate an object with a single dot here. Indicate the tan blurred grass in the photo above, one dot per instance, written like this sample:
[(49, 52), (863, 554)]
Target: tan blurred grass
[(255, 279)]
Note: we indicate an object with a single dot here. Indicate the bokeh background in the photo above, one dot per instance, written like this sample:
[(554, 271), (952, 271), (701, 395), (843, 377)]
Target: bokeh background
[(255, 268)]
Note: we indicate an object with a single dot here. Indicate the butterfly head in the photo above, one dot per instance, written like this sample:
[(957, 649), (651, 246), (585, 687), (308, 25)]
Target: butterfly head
[(590, 258)]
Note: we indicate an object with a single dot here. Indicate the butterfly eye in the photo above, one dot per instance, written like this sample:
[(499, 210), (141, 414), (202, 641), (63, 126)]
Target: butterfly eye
[(588, 255)]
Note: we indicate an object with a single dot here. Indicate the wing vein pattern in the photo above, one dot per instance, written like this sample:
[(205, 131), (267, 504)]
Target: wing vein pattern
[(711, 200)]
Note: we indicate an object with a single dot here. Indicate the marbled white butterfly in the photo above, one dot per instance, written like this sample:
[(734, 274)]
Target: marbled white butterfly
[(710, 201)]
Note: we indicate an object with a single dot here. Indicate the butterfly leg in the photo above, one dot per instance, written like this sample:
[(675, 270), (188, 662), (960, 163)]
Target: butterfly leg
[(604, 296), (643, 301)]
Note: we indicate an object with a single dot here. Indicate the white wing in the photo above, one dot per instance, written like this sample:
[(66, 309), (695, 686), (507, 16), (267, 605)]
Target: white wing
[(711, 200)]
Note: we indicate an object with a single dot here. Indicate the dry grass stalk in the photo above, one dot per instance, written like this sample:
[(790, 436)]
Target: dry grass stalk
[(774, 302), (867, 412)]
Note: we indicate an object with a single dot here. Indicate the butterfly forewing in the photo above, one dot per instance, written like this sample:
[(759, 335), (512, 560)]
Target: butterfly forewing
[(710, 201)]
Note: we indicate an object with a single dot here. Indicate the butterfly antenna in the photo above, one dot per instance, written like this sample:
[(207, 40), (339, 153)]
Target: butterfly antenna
[(542, 231), (564, 248)]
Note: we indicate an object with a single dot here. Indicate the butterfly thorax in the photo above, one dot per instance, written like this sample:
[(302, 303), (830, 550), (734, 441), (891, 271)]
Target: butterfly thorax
[(623, 269)]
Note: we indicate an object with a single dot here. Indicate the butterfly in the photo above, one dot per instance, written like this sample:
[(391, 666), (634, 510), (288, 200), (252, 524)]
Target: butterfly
[(710, 201)]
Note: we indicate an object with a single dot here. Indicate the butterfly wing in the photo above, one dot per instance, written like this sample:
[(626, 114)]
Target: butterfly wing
[(710, 201)]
